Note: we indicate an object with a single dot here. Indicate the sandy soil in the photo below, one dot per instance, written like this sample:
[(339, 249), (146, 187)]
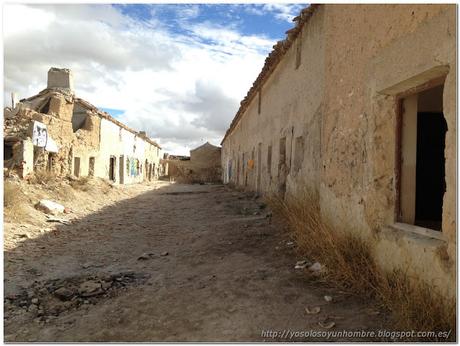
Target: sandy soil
[(168, 262)]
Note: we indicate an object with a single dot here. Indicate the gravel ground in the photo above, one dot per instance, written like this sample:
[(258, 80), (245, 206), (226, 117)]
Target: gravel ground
[(169, 262)]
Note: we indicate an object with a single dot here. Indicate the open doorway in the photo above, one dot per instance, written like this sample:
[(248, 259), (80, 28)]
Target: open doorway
[(422, 159), (112, 168), (76, 167)]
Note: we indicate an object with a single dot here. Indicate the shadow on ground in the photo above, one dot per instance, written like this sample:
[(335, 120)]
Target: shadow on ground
[(179, 263)]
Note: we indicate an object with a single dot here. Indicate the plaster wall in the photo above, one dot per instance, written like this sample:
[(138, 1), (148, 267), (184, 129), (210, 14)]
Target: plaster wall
[(290, 108), (388, 55), (358, 62), (118, 142)]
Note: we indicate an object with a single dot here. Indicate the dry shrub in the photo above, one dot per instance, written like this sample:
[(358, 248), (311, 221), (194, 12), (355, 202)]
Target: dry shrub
[(351, 265), (15, 202), (416, 306), (82, 184), (106, 187), (347, 257), (44, 178)]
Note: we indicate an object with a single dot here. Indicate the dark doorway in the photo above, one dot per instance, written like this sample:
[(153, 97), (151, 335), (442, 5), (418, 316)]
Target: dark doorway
[(49, 166), (7, 151), (431, 184), (76, 166), (112, 168)]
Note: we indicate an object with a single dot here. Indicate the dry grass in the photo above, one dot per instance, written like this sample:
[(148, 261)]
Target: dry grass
[(81, 184), (350, 264), (347, 257), (44, 178), (416, 306), (105, 186), (15, 202)]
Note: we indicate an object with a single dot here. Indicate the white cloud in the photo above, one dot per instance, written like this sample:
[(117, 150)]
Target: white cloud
[(281, 11), (181, 89)]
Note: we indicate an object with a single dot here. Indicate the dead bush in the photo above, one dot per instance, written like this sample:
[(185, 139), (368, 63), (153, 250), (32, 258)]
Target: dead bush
[(416, 306), (347, 257), (106, 187), (14, 201), (350, 264), (44, 178), (82, 184)]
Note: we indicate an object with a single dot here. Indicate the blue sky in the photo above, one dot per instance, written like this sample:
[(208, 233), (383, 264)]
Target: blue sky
[(249, 19), (176, 71)]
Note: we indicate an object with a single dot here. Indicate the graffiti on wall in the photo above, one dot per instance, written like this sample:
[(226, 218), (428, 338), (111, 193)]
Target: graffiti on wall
[(133, 167)]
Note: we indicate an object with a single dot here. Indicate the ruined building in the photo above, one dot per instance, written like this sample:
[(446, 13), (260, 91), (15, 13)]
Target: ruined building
[(203, 165), (56, 131), (358, 105)]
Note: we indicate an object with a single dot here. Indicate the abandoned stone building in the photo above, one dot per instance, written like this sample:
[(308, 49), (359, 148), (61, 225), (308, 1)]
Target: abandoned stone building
[(358, 106), (203, 165), (56, 131)]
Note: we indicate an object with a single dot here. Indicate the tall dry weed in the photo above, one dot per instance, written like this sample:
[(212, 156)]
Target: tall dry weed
[(82, 184), (44, 177), (14, 202), (350, 264), (347, 257)]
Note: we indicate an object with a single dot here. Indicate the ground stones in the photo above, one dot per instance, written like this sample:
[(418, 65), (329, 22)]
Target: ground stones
[(49, 207), (64, 293), (51, 298)]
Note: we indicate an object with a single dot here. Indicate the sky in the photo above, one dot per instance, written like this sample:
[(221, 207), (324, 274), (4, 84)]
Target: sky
[(176, 71)]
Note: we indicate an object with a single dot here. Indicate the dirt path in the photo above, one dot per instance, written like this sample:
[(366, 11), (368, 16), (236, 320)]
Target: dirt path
[(176, 263)]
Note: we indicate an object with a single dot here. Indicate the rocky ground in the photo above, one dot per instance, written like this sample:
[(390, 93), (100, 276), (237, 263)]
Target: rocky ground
[(168, 262)]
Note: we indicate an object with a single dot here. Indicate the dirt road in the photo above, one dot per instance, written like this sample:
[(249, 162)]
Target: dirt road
[(175, 263)]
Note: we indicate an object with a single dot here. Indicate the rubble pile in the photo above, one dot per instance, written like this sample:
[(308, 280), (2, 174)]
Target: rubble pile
[(45, 300)]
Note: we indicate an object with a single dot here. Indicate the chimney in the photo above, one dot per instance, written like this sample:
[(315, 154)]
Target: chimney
[(142, 134), (60, 78), (14, 100)]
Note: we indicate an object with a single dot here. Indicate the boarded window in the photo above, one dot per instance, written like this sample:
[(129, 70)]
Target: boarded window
[(299, 153)]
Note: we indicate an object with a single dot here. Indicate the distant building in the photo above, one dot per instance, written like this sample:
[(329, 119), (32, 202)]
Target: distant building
[(204, 165), (57, 132)]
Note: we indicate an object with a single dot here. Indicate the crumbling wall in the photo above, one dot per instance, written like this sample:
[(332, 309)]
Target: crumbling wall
[(54, 109), (89, 142)]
